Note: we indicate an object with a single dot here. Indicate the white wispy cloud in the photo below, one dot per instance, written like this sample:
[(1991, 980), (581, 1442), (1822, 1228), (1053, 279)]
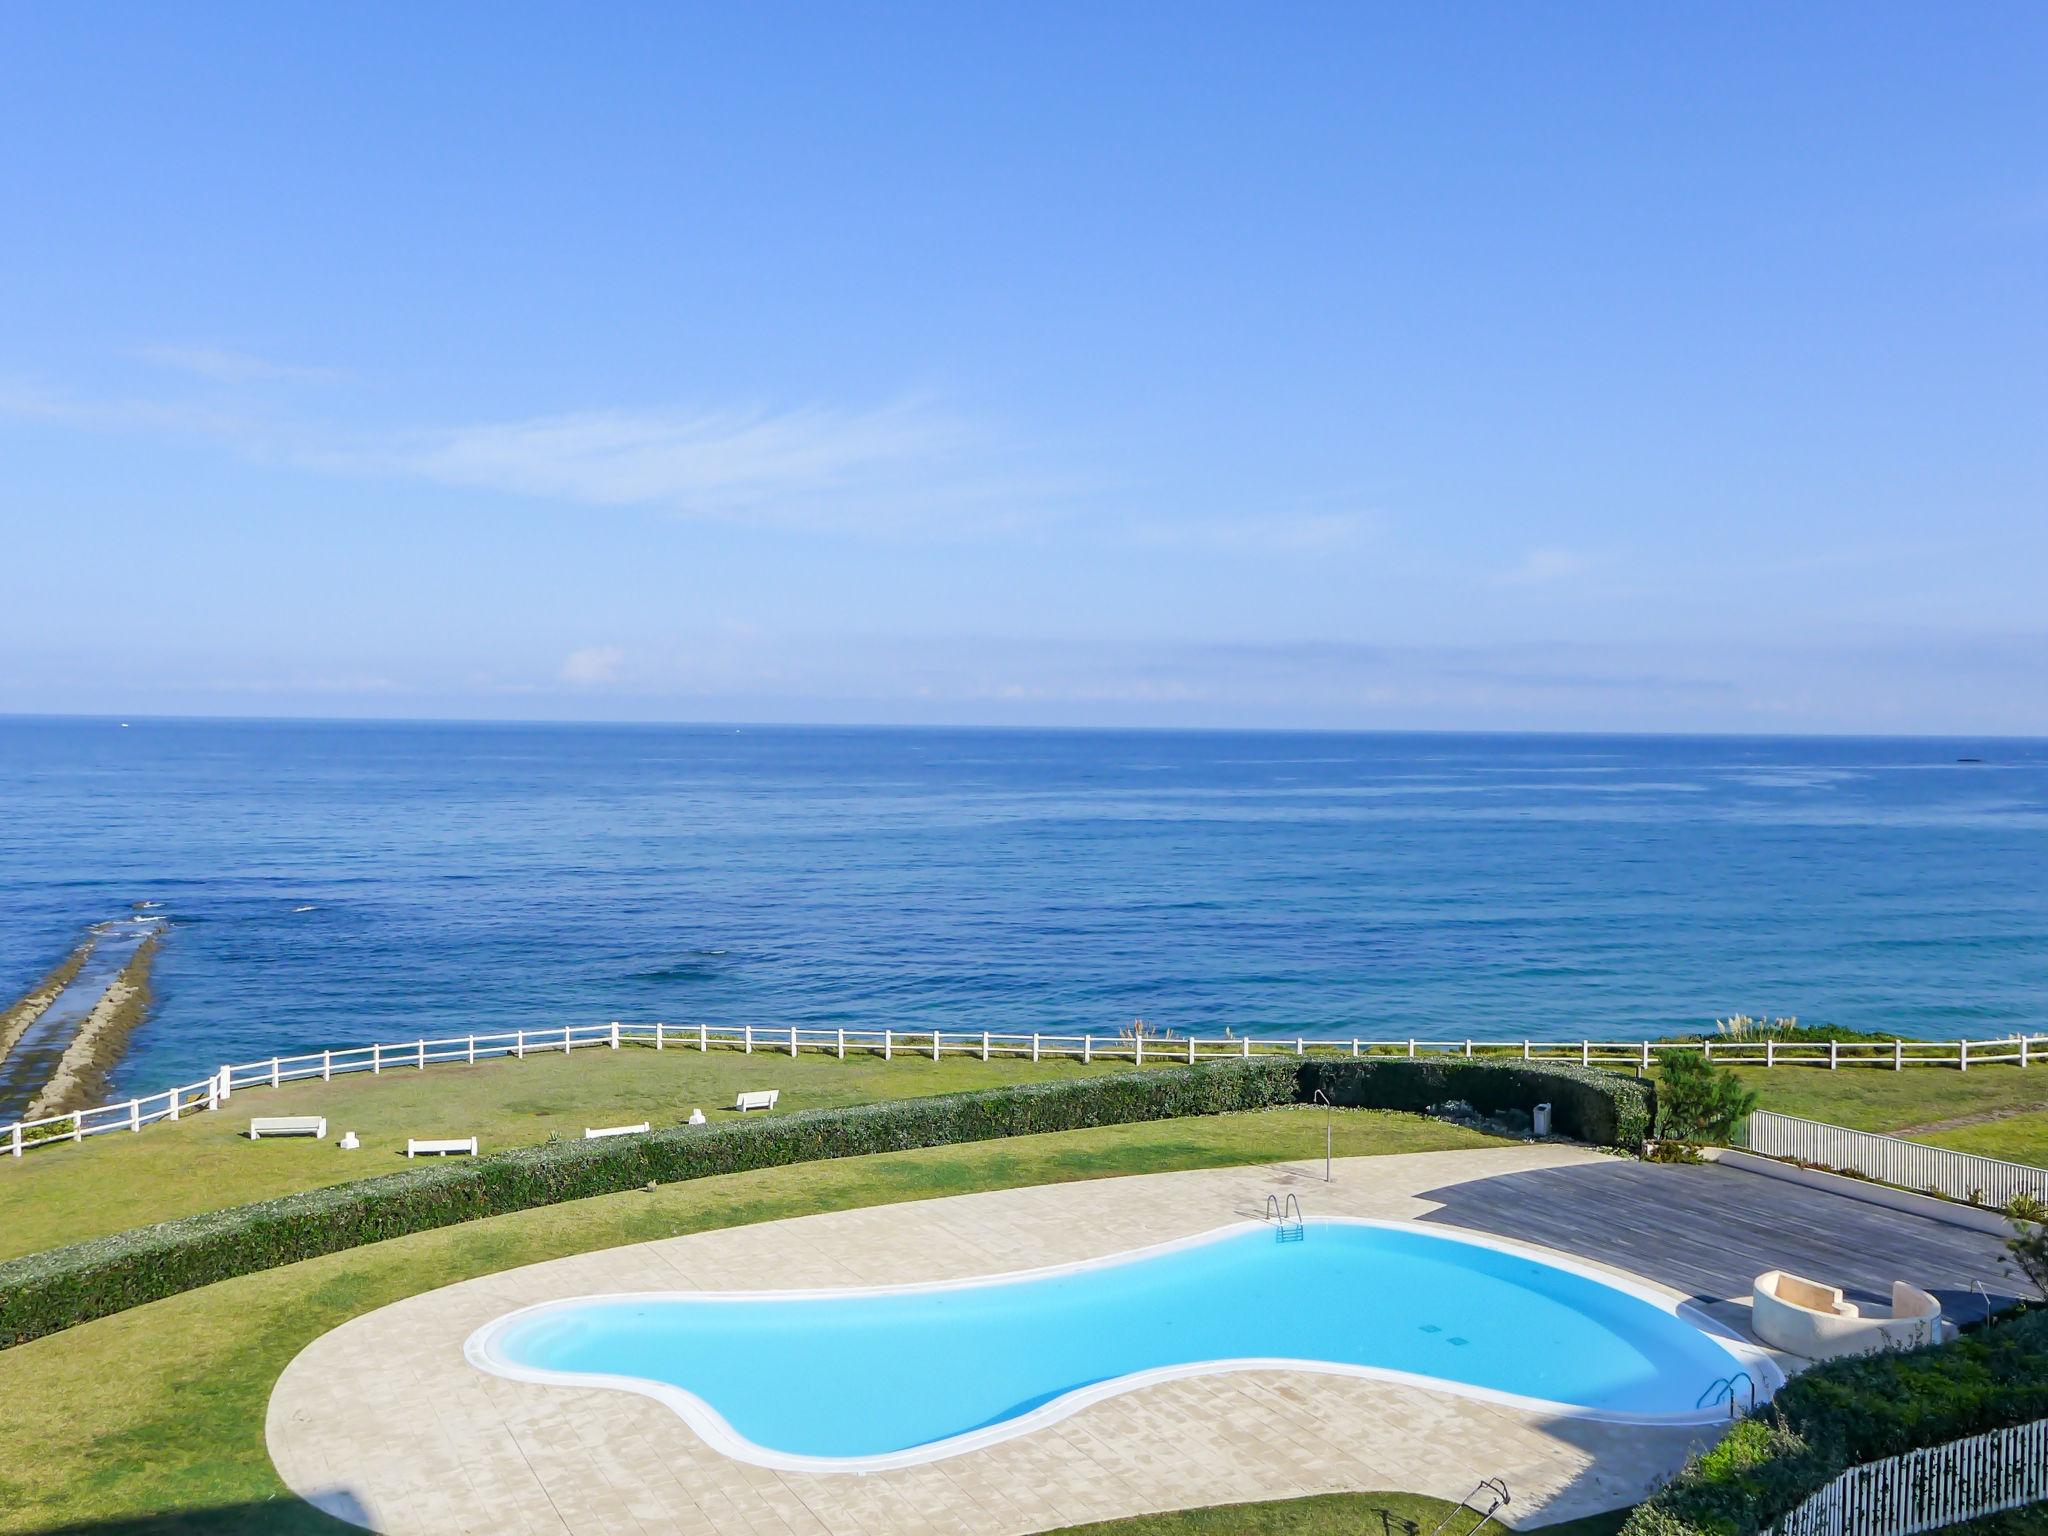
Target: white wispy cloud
[(1539, 567), (225, 366), (1277, 532), (592, 666)]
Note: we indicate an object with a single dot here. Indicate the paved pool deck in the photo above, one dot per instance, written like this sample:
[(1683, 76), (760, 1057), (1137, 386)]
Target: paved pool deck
[(383, 1422)]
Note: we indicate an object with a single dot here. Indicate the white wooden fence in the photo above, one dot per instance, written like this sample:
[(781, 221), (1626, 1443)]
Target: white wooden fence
[(211, 1092), (1986, 1181), (1925, 1490)]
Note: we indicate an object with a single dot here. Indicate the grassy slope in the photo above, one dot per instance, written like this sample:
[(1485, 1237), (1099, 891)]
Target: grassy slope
[(62, 1194), (155, 1416), (1896, 1102)]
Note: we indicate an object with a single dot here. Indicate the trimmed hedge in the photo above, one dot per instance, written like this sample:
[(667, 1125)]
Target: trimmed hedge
[(1607, 1109), (42, 1293), (1845, 1412)]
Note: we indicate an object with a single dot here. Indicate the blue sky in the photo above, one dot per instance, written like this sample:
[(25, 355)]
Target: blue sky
[(1672, 367)]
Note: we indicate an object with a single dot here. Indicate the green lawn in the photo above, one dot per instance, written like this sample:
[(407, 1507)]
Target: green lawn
[(63, 1194), (1899, 1103), (154, 1417), (1334, 1514)]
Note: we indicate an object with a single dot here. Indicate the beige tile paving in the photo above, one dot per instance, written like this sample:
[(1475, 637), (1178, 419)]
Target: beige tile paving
[(383, 1422)]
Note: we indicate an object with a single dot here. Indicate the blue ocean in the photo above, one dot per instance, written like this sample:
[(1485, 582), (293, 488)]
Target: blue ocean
[(331, 883)]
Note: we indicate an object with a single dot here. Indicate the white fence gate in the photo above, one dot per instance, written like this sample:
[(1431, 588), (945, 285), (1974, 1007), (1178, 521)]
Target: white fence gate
[(1984, 1181), (1925, 1490)]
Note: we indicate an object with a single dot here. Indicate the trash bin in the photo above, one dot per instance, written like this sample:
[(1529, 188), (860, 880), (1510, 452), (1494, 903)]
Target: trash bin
[(1539, 1120)]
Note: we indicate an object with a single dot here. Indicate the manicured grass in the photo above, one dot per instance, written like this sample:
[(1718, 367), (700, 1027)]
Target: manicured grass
[(64, 1194), (1868, 1099), (1334, 1514), (154, 1417)]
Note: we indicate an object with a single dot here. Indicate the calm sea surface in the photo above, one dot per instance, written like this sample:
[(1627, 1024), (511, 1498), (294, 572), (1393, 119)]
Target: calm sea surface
[(335, 883)]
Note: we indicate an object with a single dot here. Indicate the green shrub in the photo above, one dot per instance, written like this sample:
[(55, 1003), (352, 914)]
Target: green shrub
[(1844, 1412), (41, 1293), (1698, 1101), (1607, 1109), (44, 1292)]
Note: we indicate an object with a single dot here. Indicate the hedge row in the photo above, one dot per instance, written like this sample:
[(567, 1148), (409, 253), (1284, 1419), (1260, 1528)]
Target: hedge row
[(45, 1292), (1844, 1412), (1604, 1108)]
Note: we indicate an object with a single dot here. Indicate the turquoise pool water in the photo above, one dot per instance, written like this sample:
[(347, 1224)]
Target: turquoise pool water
[(895, 1374)]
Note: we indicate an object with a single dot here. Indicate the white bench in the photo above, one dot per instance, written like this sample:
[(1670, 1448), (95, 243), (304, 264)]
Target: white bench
[(414, 1146), (763, 1098), (287, 1125), (615, 1130)]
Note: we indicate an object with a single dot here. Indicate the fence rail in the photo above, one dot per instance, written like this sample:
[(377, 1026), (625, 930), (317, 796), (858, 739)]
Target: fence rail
[(1987, 1181), (1927, 1489), (211, 1092)]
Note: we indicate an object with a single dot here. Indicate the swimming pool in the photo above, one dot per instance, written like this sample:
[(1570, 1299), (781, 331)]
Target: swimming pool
[(858, 1380)]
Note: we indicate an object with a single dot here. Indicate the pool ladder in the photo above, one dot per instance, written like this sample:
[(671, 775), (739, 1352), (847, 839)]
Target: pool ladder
[(1725, 1387), (1495, 1491), (1277, 1211)]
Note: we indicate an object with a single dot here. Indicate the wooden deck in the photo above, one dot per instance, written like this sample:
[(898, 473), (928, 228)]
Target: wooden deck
[(1710, 1231)]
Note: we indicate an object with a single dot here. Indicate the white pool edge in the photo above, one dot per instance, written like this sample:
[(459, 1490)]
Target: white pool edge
[(479, 1349)]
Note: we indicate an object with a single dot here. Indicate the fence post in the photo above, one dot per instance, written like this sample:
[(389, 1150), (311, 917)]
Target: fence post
[(16, 1147), (792, 1042), (1770, 1052), (935, 1043), (1034, 1045), (1191, 1050), (519, 1046), (1138, 1050), (1898, 1055), (1707, 1050), (273, 1071), (567, 1045), (1087, 1049), (1354, 1047), (1300, 1046), (2024, 1041), (984, 1045), (135, 1114), (376, 1059), (1646, 1058), (174, 1102), (213, 1093), (1525, 1050), (1411, 1049), (750, 1039), (1585, 1053), (842, 1042), (1834, 1055), (1245, 1047), (423, 1056), (660, 1030), (615, 1034), (1963, 1056), (888, 1044), (703, 1038)]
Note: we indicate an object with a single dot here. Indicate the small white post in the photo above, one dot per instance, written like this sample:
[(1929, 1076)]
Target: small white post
[(1770, 1053), (519, 1046), (842, 1042), (1834, 1055), (1898, 1055), (1300, 1046), (750, 1039), (1034, 1045), (423, 1056), (1707, 1050), (227, 1083), (1191, 1050), (935, 1044), (1354, 1047), (984, 1045), (471, 1056), (16, 1147), (1468, 1047), (1963, 1057), (659, 1031), (1585, 1053), (174, 1102), (273, 1071), (1087, 1049), (213, 1093), (1411, 1047), (566, 1047), (703, 1038), (1138, 1049), (1245, 1047), (888, 1044), (2024, 1041), (1646, 1058), (135, 1114), (376, 1059), (1525, 1050), (792, 1041), (615, 1034)]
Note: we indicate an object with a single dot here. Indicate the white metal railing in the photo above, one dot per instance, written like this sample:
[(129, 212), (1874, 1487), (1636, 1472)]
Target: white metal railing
[(1988, 1181), (1928, 1489), (211, 1092)]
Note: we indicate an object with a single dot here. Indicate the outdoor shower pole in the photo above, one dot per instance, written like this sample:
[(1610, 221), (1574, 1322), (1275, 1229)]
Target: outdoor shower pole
[(1329, 1129)]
